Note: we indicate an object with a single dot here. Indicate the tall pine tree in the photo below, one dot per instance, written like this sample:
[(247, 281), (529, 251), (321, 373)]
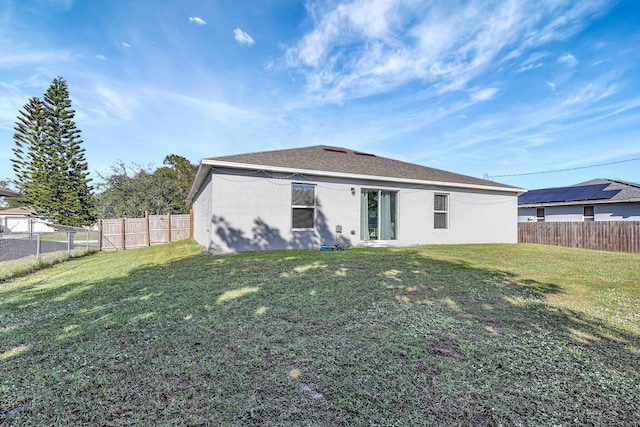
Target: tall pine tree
[(30, 161), (49, 160)]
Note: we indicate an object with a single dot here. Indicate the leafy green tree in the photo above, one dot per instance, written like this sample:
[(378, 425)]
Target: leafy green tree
[(130, 191), (49, 161), (183, 172)]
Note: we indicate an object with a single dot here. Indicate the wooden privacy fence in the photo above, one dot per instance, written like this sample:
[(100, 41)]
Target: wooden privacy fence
[(129, 233), (615, 236)]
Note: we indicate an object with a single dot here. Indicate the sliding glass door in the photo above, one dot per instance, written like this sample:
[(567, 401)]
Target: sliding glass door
[(378, 213)]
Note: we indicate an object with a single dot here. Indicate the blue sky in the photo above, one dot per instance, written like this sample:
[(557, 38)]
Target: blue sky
[(474, 87)]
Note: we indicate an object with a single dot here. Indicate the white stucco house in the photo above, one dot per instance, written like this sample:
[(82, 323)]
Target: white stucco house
[(594, 200), (22, 220), (304, 197)]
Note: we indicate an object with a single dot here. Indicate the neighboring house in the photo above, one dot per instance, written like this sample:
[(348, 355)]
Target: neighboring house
[(305, 197), (595, 200), (8, 193), (22, 220)]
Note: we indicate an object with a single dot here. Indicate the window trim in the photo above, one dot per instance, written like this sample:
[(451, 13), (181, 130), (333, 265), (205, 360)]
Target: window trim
[(294, 207), (591, 217), (541, 218), (444, 211)]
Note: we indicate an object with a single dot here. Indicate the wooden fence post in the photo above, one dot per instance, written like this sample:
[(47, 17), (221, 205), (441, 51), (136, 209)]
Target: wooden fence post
[(122, 227), (99, 235), (191, 223), (129, 233), (147, 234)]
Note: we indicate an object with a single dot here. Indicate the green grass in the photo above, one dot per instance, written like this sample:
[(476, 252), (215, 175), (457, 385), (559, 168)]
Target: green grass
[(443, 335), (22, 266)]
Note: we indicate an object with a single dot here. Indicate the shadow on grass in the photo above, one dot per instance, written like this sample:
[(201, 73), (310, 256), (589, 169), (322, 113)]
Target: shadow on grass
[(309, 337)]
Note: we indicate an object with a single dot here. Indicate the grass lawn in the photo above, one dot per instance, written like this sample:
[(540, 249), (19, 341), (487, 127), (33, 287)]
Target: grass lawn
[(476, 335), (22, 266)]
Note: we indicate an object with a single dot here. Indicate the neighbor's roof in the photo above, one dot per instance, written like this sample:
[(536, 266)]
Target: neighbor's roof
[(8, 193), (343, 162), (21, 211), (593, 191)]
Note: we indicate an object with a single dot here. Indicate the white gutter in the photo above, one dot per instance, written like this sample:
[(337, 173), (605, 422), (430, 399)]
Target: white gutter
[(201, 175), (247, 166), (577, 203)]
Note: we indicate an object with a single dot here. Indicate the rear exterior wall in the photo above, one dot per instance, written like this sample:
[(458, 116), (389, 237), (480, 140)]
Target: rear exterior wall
[(242, 212)]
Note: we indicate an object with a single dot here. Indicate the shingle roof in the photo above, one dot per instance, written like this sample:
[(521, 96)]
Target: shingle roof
[(628, 191), (21, 211), (594, 191), (346, 161), (8, 193)]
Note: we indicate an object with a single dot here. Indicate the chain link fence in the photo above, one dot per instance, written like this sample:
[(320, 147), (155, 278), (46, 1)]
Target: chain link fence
[(25, 241), (18, 249)]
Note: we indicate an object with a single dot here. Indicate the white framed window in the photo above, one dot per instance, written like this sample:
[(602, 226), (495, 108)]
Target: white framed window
[(540, 215), (440, 211), (588, 214), (303, 205)]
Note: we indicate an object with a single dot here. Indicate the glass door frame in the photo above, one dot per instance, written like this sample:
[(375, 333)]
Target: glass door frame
[(380, 224)]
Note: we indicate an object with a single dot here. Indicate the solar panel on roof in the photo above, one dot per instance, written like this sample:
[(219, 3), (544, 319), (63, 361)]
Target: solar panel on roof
[(568, 194)]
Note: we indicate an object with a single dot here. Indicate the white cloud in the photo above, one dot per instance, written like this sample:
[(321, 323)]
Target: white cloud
[(484, 94), (197, 20), (568, 59), (12, 99), (551, 85), (218, 111), (110, 102), (567, 111), (592, 93), (101, 57), (242, 37), (126, 45), (363, 47), (10, 60), (535, 60)]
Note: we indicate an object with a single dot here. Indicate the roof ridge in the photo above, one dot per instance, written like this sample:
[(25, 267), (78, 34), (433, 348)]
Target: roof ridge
[(342, 160), (609, 180), (619, 181)]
